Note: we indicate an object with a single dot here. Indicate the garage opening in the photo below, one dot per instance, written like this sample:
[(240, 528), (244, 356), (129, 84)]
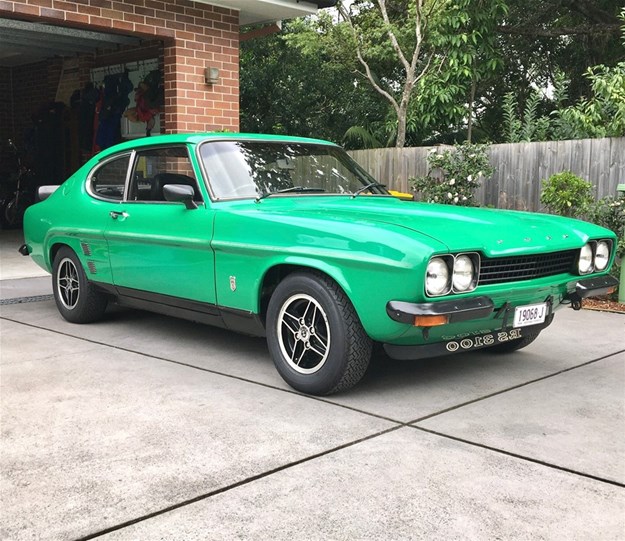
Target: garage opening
[(65, 94)]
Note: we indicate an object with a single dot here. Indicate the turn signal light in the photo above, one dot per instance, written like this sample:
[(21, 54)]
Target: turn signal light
[(430, 321)]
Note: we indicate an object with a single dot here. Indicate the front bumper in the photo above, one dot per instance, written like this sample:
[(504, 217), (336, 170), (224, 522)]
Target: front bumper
[(480, 307), (590, 287), (455, 310), (474, 308)]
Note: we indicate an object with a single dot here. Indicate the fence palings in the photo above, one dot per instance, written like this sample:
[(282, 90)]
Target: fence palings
[(519, 168)]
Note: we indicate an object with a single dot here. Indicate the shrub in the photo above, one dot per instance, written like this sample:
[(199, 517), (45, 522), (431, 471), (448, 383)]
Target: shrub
[(457, 174), (609, 212), (567, 194)]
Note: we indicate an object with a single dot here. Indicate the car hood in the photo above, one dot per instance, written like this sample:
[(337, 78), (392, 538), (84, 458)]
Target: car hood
[(493, 232)]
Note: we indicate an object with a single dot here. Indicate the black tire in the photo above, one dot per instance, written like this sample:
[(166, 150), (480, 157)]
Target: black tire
[(76, 298), (326, 349), (514, 345)]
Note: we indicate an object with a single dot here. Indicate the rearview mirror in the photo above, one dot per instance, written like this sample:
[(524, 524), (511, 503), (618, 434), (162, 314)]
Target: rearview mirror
[(180, 193)]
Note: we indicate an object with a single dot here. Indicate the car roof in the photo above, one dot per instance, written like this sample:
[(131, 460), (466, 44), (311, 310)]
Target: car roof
[(196, 138)]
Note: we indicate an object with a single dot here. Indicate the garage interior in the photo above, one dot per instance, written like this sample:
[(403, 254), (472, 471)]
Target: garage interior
[(76, 78), (66, 93)]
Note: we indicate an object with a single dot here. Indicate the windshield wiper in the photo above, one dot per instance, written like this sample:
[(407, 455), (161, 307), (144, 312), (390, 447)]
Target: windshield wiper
[(298, 189), (366, 187)]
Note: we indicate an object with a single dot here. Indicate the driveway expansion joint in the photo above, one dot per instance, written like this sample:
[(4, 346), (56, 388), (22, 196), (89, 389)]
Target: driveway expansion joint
[(520, 457), (238, 484), (514, 387), (21, 300)]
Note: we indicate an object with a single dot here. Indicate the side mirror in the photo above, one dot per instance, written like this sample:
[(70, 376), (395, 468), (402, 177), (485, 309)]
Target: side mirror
[(180, 193), (43, 192)]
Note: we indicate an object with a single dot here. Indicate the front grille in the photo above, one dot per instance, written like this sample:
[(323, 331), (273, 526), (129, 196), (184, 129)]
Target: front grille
[(502, 270)]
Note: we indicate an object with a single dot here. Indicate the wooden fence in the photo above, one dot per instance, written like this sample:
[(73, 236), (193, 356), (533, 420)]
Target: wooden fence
[(519, 168)]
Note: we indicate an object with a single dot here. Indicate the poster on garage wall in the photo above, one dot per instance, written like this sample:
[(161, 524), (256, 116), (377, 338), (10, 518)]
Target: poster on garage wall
[(132, 94)]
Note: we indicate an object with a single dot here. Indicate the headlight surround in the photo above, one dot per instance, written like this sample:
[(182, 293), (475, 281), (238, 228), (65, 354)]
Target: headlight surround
[(602, 255), (438, 279), (452, 274), (585, 261), (464, 275)]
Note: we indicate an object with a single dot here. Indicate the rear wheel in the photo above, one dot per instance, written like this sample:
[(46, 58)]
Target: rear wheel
[(76, 298), (514, 345), (314, 335)]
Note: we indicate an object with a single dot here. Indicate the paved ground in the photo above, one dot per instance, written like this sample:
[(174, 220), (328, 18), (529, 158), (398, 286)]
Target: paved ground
[(146, 427)]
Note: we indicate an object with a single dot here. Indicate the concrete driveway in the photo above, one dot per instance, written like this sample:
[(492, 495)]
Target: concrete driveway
[(146, 427)]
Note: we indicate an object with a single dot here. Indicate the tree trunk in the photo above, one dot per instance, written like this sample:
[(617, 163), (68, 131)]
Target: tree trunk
[(470, 119)]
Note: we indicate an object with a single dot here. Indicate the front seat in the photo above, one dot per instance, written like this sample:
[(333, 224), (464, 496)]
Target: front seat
[(159, 180)]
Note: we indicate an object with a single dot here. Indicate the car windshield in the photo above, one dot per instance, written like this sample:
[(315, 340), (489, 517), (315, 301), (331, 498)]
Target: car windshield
[(258, 169)]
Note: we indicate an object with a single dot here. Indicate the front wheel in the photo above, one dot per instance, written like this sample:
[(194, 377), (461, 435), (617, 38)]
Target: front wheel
[(76, 298), (314, 335)]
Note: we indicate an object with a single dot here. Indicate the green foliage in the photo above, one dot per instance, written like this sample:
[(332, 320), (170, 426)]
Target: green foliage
[(528, 127), (458, 172), (359, 137), (307, 80), (603, 113), (609, 212), (567, 194), (300, 82)]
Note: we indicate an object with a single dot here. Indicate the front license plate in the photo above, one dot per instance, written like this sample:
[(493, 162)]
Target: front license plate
[(530, 314)]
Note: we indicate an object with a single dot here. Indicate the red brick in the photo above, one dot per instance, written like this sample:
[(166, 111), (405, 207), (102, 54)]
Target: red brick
[(26, 10), (185, 19), (131, 17), (154, 4), (100, 22), (77, 18), (144, 11), (65, 6)]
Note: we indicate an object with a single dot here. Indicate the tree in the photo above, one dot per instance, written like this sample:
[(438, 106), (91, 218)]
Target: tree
[(414, 58), (297, 82)]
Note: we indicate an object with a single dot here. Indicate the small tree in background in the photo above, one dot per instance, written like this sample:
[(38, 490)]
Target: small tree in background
[(454, 175), (567, 194)]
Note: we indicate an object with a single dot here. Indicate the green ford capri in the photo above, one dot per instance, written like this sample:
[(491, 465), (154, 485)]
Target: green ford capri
[(290, 239)]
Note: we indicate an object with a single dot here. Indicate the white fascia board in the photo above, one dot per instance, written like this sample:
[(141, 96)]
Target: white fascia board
[(265, 11)]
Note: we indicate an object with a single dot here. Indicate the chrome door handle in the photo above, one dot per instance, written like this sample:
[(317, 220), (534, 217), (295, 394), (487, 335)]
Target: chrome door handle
[(116, 214)]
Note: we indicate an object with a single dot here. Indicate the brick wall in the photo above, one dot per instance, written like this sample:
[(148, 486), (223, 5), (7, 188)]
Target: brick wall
[(195, 36)]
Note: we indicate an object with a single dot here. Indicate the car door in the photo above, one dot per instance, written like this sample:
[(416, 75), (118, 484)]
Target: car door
[(160, 249)]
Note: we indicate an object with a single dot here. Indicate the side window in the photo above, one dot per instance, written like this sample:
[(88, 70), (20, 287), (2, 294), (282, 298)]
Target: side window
[(156, 167), (108, 180)]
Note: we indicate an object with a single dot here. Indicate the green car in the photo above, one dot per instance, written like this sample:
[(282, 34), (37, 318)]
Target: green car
[(290, 239)]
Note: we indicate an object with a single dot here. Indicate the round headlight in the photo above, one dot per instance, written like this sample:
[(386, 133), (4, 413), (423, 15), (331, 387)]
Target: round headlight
[(437, 279), (585, 259), (463, 273), (602, 255)]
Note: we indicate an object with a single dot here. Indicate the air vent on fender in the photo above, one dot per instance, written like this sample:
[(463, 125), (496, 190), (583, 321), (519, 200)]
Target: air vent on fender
[(92, 268), (86, 249)]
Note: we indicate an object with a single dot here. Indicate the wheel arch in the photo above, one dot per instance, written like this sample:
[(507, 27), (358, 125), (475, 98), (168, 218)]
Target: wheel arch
[(279, 271), (56, 246)]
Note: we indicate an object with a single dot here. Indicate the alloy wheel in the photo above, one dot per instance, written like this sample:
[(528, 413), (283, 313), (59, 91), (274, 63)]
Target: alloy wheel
[(67, 283), (303, 333)]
